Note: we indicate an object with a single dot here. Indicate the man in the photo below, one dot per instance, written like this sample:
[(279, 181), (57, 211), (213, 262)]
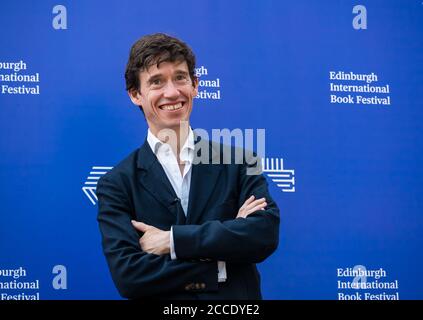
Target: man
[(173, 227)]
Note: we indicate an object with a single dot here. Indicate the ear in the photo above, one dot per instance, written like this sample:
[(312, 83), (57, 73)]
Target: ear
[(195, 92), (135, 97)]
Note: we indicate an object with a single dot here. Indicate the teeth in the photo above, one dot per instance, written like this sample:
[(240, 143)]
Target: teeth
[(172, 107)]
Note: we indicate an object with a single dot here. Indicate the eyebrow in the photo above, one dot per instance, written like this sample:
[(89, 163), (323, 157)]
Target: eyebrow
[(158, 76), (181, 72), (152, 78)]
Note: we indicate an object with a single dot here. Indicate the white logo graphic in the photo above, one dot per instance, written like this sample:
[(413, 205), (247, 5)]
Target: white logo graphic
[(273, 168), (91, 184), (283, 178)]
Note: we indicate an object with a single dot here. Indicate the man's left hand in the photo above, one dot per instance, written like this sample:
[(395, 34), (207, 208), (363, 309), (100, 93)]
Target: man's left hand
[(154, 240)]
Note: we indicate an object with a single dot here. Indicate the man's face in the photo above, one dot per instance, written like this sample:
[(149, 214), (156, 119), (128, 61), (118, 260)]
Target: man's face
[(166, 95)]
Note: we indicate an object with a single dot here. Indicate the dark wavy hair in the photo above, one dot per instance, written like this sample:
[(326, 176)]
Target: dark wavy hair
[(155, 49)]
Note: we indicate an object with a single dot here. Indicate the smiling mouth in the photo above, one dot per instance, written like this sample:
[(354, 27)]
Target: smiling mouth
[(172, 107)]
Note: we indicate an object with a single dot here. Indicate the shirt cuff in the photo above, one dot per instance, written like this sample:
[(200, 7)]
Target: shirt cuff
[(172, 246), (221, 276), (221, 265)]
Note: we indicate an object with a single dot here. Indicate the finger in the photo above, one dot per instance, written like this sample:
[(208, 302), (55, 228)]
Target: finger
[(256, 208), (143, 246), (255, 203), (247, 202), (258, 201), (140, 226)]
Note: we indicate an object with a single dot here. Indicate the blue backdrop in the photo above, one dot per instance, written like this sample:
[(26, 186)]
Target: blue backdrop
[(354, 192)]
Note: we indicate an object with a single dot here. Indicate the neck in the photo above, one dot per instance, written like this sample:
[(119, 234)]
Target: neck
[(175, 136)]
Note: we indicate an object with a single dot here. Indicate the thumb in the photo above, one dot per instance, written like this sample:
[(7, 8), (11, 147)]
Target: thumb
[(140, 226)]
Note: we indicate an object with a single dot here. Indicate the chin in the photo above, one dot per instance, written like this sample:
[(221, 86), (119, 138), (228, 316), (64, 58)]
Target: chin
[(175, 123)]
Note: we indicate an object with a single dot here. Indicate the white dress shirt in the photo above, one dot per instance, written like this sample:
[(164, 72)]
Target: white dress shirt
[(181, 183)]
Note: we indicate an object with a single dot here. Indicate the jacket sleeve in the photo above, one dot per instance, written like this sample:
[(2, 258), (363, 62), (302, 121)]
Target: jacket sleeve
[(251, 239), (136, 273)]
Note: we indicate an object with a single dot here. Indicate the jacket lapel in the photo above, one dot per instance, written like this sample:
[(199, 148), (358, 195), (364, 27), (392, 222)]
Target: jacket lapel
[(204, 177), (154, 180)]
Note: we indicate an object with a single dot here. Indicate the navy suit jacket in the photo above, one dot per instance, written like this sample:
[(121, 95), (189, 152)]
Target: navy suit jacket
[(138, 188)]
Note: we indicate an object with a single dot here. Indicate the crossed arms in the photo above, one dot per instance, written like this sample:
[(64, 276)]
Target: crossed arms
[(141, 266), (157, 241)]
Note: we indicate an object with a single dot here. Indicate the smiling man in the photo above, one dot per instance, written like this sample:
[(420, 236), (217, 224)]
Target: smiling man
[(173, 227)]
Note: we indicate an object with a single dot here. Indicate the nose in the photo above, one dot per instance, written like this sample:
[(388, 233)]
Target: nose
[(170, 91)]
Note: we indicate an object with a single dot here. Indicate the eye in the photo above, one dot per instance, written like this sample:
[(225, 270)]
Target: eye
[(181, 77), (156, 82)]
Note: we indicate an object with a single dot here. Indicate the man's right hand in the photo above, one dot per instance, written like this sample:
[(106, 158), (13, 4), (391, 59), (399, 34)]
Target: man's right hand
[(251, 205)]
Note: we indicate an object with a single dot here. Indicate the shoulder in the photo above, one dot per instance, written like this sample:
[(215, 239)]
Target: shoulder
[(124, 169), (227, 155)]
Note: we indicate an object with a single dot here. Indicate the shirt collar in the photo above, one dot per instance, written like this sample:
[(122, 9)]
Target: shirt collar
[(155, 143)]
